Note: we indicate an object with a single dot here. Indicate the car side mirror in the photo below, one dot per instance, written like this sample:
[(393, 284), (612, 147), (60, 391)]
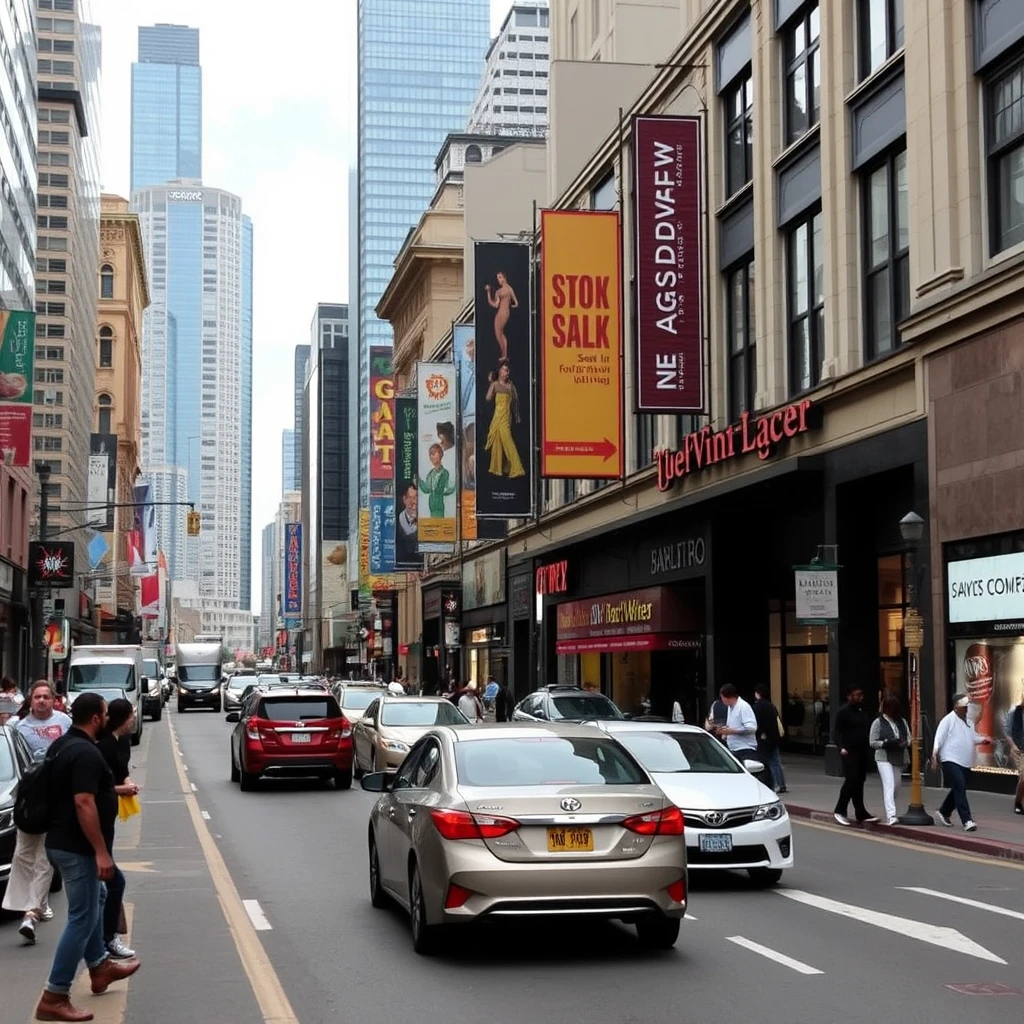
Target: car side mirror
[(145, 682), (754, 767), (233, 716), (376, 782)]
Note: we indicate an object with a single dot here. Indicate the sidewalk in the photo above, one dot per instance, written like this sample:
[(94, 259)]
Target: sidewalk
[(812, 795)]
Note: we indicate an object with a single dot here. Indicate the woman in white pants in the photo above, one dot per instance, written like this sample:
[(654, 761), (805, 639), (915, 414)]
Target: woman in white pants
[(890, 739)]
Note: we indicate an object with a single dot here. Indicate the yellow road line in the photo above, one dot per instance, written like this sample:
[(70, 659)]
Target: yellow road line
[(263, 979)]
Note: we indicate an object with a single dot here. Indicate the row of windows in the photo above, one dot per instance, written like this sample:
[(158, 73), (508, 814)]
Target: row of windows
[(55, 67)]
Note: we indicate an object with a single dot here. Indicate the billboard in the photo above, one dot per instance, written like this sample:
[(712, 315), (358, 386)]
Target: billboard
[(483, 580), (292, 569), (503, 386), (407, 554), (102, 489), (382, 418), (142, 556), (437, 456), (17, 358), (581, 345), (382, 535), (364, 555), (334, 578), (666, 218), (51, 563)]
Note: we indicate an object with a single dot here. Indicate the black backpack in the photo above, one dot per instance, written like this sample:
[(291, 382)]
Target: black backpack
[(35, 798)]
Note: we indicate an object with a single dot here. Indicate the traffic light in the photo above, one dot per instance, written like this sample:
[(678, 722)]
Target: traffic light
[(193, 524)]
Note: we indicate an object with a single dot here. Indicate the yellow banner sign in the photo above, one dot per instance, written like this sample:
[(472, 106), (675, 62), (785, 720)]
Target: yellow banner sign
[(581, 345)]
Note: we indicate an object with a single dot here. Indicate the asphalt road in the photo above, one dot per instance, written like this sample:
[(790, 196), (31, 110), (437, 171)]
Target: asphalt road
[(862, 929)]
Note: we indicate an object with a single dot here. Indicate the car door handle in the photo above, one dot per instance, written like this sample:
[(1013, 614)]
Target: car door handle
[(391, 812), (412, 812)]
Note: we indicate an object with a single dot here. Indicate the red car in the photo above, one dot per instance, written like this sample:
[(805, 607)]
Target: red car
[(290, 733)]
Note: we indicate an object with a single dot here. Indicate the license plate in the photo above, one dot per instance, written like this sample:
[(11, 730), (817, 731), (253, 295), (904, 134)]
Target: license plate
[(300, 737), (570, 840), (715, 844)]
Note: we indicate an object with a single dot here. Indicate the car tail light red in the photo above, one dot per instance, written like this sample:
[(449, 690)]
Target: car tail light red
[(666, 822), (456, 897), (677, 891), (252, 729), (463, 825), (340, 732)]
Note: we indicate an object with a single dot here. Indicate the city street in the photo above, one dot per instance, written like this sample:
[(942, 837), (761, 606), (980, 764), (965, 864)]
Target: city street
[(863, 927)]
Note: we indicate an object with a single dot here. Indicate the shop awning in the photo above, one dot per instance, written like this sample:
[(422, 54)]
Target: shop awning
[(632, 642)]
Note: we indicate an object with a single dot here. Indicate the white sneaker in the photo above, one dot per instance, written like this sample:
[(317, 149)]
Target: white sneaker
[(27, 929), (945, 821), (47, 914), (841, 819), (117, 949), (893, 821), (970, 826)]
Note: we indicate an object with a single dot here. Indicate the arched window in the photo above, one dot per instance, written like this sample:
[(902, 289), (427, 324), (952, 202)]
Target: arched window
[(106, 281), (497, 149), (106, 348), (473, 155), (104, 417)]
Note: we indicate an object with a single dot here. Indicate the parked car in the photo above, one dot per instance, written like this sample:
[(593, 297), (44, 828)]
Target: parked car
[(732, 819), (474, 825), (153, 699), (391, 725), (290, 733), (558, 703), (15, 759)]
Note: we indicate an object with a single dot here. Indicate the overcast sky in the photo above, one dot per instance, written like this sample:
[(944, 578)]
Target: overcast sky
[(279, 131)]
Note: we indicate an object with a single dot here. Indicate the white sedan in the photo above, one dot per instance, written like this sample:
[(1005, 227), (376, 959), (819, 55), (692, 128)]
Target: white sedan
[(732, 819)]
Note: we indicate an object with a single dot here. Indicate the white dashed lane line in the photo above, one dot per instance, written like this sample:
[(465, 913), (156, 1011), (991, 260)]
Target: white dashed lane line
[(206, 815), (780, 958), (256, 915)]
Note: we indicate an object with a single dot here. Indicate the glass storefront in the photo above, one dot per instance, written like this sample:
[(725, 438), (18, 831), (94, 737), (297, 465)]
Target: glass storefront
[(799, 677)]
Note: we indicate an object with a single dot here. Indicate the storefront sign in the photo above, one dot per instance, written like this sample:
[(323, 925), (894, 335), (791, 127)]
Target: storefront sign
[(552, 578), (707, 447), (520, 596), (677, 556), (581, 345), (666, 218), (51, 564), (817, 594), (987, 589), (652, 617)]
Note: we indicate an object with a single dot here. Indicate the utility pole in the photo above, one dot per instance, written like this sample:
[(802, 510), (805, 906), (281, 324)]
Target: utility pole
[(38, 664)]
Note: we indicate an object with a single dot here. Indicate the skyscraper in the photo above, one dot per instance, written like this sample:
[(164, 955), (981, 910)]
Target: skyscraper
[(301, 358), (245, 553), (167, 106), (289, 442), (268, 611), (428, 53)]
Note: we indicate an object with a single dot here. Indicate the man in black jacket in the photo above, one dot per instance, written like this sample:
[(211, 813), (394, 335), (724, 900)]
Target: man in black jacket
[(851, 733), (769, 737)]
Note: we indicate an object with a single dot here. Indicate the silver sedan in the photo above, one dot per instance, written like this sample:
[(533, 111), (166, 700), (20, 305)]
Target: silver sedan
[(526, 820)]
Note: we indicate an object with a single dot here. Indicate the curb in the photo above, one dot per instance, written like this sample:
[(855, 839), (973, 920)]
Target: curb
[(937, 836)]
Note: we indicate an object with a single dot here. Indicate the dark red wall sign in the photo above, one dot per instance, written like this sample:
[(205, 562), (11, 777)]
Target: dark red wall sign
[(552, 578)]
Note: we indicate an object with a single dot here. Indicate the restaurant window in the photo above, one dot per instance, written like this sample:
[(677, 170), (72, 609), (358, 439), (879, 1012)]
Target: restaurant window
[(1004, 97), (803, 73), (886, 253), (806, 306), (740, 326), (892, 606), (881, 31), (798, 656), (739, 140)]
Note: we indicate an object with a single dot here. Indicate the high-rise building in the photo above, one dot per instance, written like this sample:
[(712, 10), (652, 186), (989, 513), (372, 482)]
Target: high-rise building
[(268, 612), (301, 358), (245, 552), (513, 95), (67, 285), (428, 52), (167, 106), (289, 442), (197, 363)]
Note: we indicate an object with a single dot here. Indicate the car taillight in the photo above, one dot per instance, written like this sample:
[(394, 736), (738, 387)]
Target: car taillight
[(463, 825), (340, 732), (456, 897), (252, 730), (677, 891), (666, 822)]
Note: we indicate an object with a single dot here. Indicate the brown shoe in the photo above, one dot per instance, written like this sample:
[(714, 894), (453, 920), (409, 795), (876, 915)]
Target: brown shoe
[(53, 1006), (109, 971)]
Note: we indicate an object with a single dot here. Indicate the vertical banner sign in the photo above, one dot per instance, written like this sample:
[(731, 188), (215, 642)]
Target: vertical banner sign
[(102, 491), (382, 419), (364, 555), (436, 456), (293, 569), (382, 536), (17, 355), (407, 556), (142, 554), (464, 348), (581, 346), (503, 386), (666, 215)]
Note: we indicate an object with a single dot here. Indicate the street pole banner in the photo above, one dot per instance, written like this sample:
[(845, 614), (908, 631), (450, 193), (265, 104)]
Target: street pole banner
[(364, 556), (407, 556), (102, 489), (17, 360), (437, 456), (666, 218), (581, 345), (292, 569), (382, 536), (142, 540), (382, 420), (503, 386)]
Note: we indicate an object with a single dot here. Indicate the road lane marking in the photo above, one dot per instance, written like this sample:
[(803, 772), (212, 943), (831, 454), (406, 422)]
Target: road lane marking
[(990, 907), (206, 815), (690, 917), (263, 979), (935, 935), (256, 915), (195, 788), (780, 958)]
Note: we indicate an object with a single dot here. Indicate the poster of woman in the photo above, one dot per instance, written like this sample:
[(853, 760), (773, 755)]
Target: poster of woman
[(436, 457)]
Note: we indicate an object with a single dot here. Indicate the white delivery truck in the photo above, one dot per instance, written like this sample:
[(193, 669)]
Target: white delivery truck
[(200, 674), (112, 670)]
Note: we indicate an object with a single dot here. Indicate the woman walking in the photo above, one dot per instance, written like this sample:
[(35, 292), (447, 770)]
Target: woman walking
[(890, 738)]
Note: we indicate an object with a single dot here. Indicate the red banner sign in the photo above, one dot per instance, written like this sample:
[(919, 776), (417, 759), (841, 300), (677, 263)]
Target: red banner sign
[(552, 578), (669, 325)]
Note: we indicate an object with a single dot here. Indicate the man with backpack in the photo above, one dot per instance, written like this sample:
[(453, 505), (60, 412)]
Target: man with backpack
[(28, 888), (82, 808)]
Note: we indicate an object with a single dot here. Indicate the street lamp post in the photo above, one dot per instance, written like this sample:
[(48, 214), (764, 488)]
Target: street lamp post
[(912, 530)]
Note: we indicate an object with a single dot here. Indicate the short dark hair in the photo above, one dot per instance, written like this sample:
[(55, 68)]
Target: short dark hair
[(728, 691), (891, 706), (854, 688), (7, 683), (41, 682), (118, 712), (762, 690), (86, 707)]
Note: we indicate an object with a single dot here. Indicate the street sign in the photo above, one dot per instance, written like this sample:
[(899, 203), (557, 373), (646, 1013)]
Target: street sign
[(913, 630)]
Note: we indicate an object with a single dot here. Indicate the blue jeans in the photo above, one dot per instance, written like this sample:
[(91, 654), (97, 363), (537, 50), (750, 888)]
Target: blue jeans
[(774, 760), (82, 938), (955, 776)]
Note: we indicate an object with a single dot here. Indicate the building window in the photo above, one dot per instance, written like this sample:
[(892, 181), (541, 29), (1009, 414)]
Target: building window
[(605, 195), (645, 433), (106, 348), (805, 262), (881, 32), (473, 155), (742, 355), (106, 281), (886, 253), (803, 73), (892, 607), (1005, 99), (739, 106), (103, 424)]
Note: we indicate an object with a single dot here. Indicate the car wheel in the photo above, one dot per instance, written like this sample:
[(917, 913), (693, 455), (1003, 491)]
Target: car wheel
[(356, 770), (424, 936), (246, 780), (216, 707), (181, 708), (657, 931), (765, 876), (343, 780), (234, 768), (159, 713), (378, 898), (137, 735)]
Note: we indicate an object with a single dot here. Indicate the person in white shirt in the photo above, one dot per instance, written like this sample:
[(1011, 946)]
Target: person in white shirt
[(740, 729), (470, 706), (955, 743)]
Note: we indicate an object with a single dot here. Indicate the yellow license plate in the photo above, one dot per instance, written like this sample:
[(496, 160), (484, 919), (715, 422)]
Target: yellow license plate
[(570, 840)]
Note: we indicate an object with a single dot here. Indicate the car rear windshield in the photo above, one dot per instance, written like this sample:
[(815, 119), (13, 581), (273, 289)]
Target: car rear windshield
[(358, 700), (679, 752), (546, 761), (585, 706), (299, 709), (420, 713)]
